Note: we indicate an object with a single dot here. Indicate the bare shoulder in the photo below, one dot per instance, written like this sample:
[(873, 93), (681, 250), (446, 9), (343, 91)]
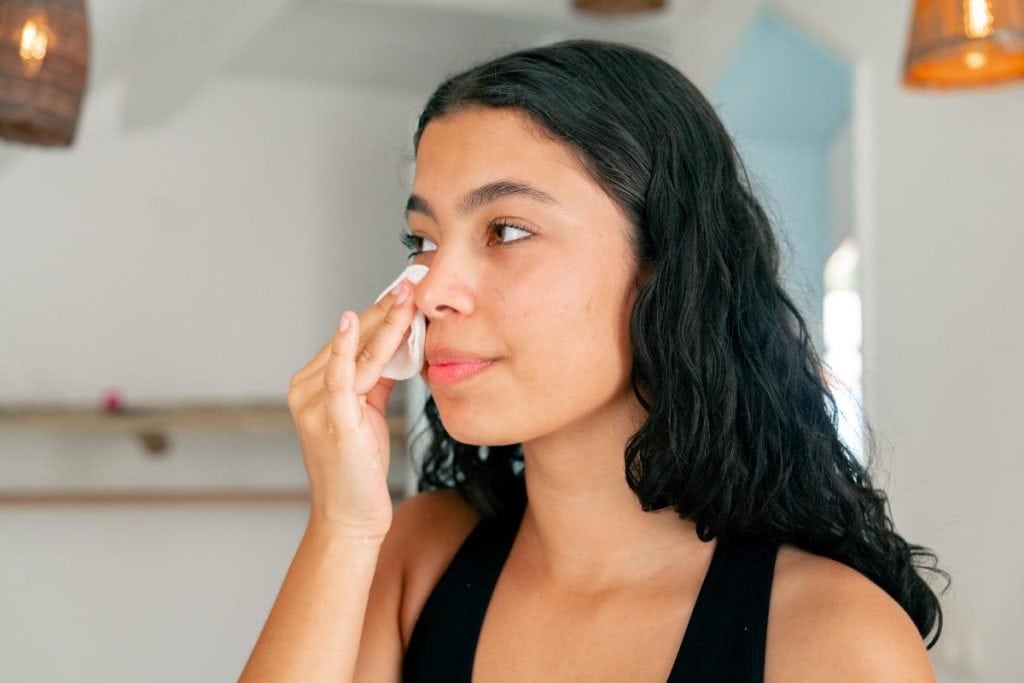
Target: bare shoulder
[(828, 621), (423, 528), (429, 527)]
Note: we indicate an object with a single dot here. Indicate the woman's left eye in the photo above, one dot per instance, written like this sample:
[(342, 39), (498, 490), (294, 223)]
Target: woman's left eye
[(415, 242), (498, 226)]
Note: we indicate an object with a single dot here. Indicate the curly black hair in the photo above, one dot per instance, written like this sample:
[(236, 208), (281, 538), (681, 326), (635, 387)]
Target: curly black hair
[(741, 435)]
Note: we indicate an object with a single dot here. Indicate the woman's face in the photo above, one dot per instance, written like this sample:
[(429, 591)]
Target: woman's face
[(551, 307)]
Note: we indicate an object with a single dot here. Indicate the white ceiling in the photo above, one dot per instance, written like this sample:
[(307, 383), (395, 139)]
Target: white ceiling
[(176, 47), (166, 51)]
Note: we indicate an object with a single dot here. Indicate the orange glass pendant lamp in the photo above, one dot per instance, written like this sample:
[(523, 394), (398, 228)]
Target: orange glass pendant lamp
[(965, 43), (44, 49)]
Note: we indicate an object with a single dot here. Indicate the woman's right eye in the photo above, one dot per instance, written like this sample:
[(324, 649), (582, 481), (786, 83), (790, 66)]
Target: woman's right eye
[(414, 242)]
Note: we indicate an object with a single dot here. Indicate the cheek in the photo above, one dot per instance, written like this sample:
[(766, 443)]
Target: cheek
[(572, 345), (566, 312)]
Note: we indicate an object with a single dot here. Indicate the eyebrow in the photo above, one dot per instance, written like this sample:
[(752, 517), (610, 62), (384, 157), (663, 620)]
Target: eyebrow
[(485, 194)]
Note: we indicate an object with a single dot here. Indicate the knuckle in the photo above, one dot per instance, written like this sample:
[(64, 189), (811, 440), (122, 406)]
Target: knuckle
[(391, 317), (365, 355), (332, 384)]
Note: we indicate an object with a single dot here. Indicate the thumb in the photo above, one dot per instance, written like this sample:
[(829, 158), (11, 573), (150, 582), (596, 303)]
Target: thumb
[(377, 397)]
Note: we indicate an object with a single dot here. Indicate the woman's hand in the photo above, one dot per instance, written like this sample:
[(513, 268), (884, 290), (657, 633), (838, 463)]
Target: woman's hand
[(338, 401)]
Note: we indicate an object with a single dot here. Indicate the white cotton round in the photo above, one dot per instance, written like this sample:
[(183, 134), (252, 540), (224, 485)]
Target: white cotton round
[(408, 359)]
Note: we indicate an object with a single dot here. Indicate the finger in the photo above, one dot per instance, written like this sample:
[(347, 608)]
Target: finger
[(381, 344), (344, 410), (368, 319), (304, 388), (312, 389)]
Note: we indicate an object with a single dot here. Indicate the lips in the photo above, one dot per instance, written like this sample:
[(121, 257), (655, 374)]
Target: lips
[(452, 372), (445, 355), (458, 360)]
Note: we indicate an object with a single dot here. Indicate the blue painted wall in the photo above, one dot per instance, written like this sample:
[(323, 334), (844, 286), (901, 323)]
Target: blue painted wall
[(786, 98)]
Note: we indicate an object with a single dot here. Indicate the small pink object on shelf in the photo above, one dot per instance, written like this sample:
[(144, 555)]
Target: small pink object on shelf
[(112, 401)]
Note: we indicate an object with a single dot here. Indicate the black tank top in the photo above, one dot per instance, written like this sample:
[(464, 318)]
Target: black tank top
[(724, 639)]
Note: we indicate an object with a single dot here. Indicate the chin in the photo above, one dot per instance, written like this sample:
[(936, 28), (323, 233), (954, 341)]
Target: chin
[(474, 434), (474, 427)]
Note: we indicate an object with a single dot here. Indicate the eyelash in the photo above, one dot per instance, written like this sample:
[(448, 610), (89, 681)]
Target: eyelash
[(411, 241)]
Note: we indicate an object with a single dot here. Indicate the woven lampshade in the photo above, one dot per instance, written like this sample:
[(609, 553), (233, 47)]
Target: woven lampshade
[(44, 47), (617, 6), (963, 43)]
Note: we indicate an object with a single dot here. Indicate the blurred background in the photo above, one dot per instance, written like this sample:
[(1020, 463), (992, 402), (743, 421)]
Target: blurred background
[(233, 178)]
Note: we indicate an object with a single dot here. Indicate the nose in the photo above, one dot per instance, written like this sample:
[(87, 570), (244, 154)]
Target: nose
[(443, 289)]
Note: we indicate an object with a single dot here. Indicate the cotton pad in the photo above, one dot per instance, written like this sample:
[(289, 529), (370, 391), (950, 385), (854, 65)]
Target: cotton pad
[(408, 359)]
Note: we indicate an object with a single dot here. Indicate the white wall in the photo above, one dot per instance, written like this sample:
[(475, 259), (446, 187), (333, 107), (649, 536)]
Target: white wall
[(139, 594), (939, 210), (206, 259)]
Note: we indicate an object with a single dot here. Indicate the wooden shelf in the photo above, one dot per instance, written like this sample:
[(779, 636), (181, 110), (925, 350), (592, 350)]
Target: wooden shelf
[(240, 417), (48, 497), (151, 423)]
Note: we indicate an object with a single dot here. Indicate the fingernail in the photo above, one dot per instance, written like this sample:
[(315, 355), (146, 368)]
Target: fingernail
[(344, 323), (402, 292)]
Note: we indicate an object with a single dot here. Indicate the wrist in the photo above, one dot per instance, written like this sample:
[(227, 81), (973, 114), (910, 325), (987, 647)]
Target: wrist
[(336, 532)]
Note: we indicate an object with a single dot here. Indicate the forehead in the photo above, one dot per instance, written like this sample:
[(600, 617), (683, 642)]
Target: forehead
[(474, 145)]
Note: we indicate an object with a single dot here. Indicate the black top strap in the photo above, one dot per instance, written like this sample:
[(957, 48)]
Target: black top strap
[(725, 638), (443, 641)]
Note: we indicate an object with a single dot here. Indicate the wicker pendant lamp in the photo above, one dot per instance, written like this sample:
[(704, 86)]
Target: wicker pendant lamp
[(44, 48), (965, 43)]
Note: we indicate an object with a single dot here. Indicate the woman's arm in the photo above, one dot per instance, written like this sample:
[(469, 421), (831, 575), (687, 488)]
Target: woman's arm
[(315, 625)]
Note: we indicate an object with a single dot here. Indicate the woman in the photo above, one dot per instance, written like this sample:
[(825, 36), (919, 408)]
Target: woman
[(641, 478)]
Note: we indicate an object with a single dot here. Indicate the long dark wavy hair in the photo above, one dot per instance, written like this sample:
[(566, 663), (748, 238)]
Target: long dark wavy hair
[(741, 435)]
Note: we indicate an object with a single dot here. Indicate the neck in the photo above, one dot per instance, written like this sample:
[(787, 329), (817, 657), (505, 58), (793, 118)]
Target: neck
[(583, 525)]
